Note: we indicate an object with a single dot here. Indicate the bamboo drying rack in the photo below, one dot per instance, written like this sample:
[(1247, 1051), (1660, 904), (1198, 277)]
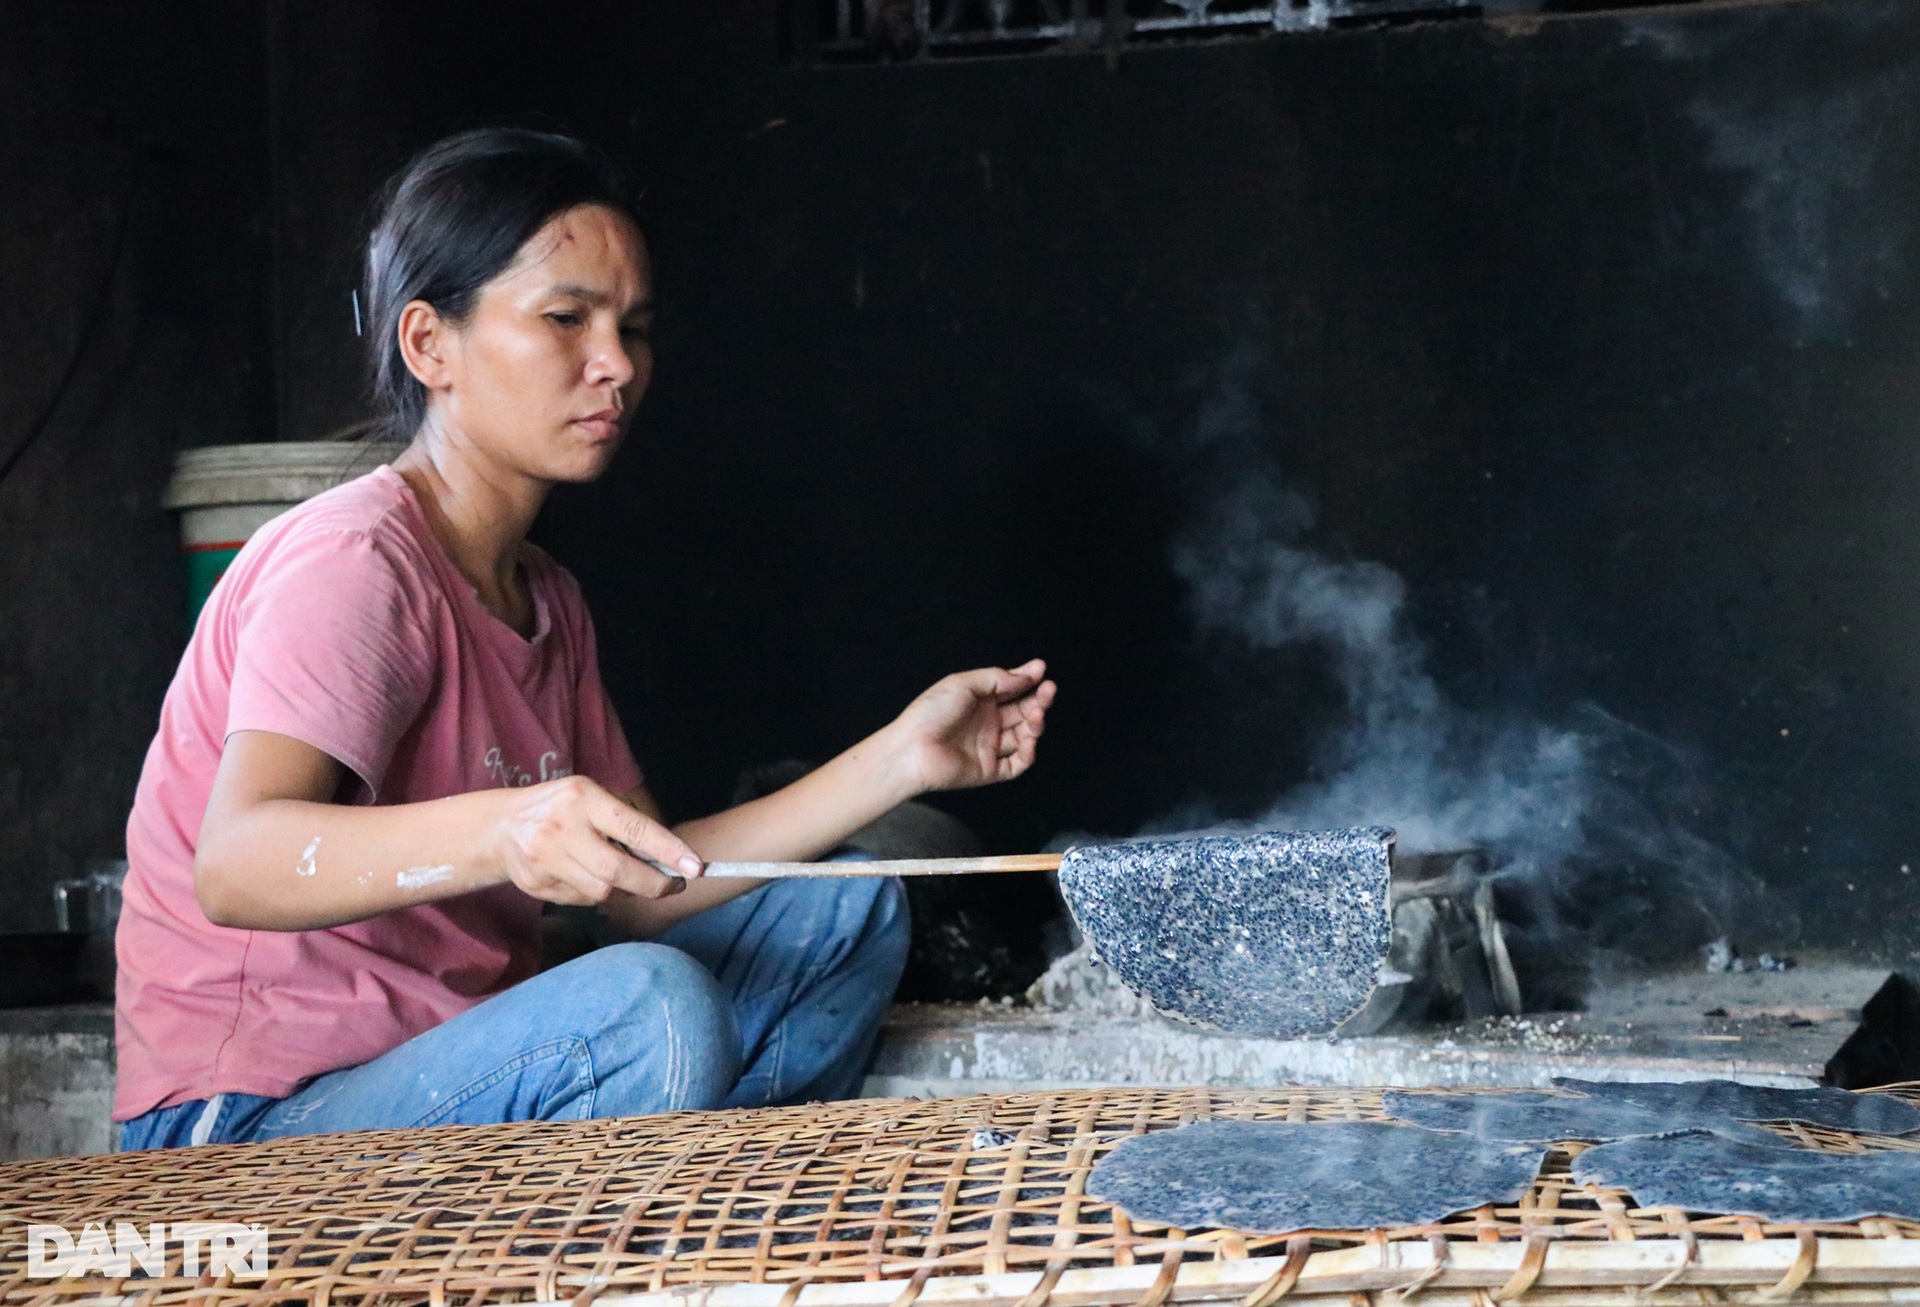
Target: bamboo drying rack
[(884, 1203)]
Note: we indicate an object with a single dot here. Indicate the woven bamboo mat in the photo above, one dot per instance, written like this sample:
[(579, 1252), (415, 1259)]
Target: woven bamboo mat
[(906, 1193)]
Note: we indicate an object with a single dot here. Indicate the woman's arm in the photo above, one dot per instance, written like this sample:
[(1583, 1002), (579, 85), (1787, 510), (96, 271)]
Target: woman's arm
[(276, 852), (971, 728)]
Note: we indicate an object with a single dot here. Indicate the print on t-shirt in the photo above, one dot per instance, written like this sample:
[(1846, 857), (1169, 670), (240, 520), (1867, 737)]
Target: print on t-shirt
[(509, 776)]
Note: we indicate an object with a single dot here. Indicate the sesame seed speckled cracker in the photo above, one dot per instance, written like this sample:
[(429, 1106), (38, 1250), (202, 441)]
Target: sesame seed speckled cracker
[(1273, 1177), (1266, 933), (1596, 1111), (1702, 1171), (1702, 1100), (1548, 1118)]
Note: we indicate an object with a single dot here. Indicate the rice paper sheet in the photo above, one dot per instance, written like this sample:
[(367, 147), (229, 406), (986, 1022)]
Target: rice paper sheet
[(1705, 1102), (1606, 1110), (1277, 1177), (1703, 1171)]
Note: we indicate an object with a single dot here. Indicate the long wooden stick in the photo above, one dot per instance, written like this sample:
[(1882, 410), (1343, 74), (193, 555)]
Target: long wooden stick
[(897, 867)]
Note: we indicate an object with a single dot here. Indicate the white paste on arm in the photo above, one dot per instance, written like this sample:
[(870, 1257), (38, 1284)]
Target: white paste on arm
[(418, 877)]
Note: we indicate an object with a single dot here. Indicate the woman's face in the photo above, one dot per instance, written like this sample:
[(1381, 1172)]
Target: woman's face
[(545, 374)]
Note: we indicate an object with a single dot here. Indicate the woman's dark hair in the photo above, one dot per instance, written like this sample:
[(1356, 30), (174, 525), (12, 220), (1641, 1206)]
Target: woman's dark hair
[(451, 221)]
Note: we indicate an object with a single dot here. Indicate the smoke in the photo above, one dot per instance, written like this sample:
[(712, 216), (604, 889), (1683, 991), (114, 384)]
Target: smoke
[(1824, 205), (1446, 778), (1823, 228), (1586, 819)]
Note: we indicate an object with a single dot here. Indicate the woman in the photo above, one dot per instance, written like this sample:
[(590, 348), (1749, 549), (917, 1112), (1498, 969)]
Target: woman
[(387, 746)]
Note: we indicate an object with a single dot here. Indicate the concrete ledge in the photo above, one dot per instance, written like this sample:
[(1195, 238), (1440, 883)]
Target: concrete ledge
[(56, 1081), (1765, 1029), (930, 1055)]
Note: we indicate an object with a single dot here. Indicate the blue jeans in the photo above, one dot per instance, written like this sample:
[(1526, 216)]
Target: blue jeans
[(772, 998)]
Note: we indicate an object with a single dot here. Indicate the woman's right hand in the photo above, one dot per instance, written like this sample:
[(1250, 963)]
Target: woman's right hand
[(572, 841)]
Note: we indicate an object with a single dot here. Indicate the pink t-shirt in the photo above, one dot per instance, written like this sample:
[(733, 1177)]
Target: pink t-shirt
[(343, 623)]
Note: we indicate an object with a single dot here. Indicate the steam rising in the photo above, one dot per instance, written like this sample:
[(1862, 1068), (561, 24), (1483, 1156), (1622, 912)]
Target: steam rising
[(1825, 166), (1406, 753), (1584, 819)]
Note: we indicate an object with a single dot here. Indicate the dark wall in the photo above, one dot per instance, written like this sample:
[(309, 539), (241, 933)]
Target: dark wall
[(1597, 331), (133, 267)]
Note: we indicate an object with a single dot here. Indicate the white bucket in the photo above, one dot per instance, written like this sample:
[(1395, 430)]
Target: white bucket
[(224, 493)]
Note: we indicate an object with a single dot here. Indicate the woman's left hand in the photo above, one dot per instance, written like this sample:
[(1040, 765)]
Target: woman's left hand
[(971, 728), (976, 728)]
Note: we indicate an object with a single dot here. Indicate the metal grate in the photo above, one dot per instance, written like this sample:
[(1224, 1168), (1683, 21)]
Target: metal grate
[(870, 31), (827, 32)]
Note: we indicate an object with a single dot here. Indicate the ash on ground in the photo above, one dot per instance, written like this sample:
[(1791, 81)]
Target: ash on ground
[(1079, 982), (1565, 1033)]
